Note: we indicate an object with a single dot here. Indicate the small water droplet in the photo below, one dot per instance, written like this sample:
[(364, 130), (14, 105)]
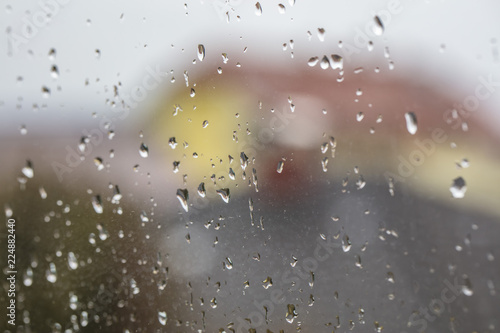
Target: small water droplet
[(281, 164), (201, 52), (337, 62), (258, 9), (360, 116), (72, 261), (162, 317), (28, 170), (205, 123), (183, 196), (281, 8), (346, 243), (28, 277), (243, 160), (321, 34), (172, 142), (378, 26), (96, 203), (52, 54), (54, 72), (192, 93), (411, 122), (51, 273), (143, 150), (324, 164), (45, 92), (458, 188), (201, 190), (144, 217), (267, 283)]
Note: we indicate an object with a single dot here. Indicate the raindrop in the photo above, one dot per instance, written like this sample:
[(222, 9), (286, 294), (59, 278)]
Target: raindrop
[(313, 61), (411, 122), (96, 203), (144, 217), (205, 123), (201, 190), (378, 27), (192, 93), (324, 164), (72, 261), (321, 34), (23, 130), (143, 150), (268, 282), (224, 194), (54, 72), (172, 142), (360, 116), (232, 175), (43, 193), (281, 8), (183, 196), (258, 9), (325, 63), (84, 318), (28, 170), (45, 92), (98, 163), (176, 166), (201, 52), (281, 164), (51, 273), (28, 277), (97, 53), (346, 243), (52, 54), (243, 160), (467, 287), (225, 58), (162, 317), (291, 314), (458, 188), (337, 62)]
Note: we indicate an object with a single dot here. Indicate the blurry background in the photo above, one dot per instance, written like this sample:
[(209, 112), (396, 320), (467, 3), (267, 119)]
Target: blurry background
[(236, 166)]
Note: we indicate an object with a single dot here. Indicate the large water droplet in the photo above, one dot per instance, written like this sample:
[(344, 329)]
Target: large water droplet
[(458, 188), (201, 190), (325, 63), (281, 164), (51, 273), (321, 34), (411, 122)]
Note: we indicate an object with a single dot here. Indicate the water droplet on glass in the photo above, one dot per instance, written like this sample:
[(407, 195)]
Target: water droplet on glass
[(360, 116), (96, 203), (224, 194), (72, 261), (258, 9), (98, 163), (201, 190), (321, 34), (52, 54), (172, 142), (201, 52), (54, 72), (324, 164), (291, 314), (458, 188), (467, 287), (281, 8), (267, 283), (28, 277), (378, 27), (346, 243), (28, 170), (143, 150), (281, 164), (243, 160), (205, 123), (144, 217), (51, 273), (192, 93), (337, 62), (313, 61), (183, 196), (411, 122), (45, 92)]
